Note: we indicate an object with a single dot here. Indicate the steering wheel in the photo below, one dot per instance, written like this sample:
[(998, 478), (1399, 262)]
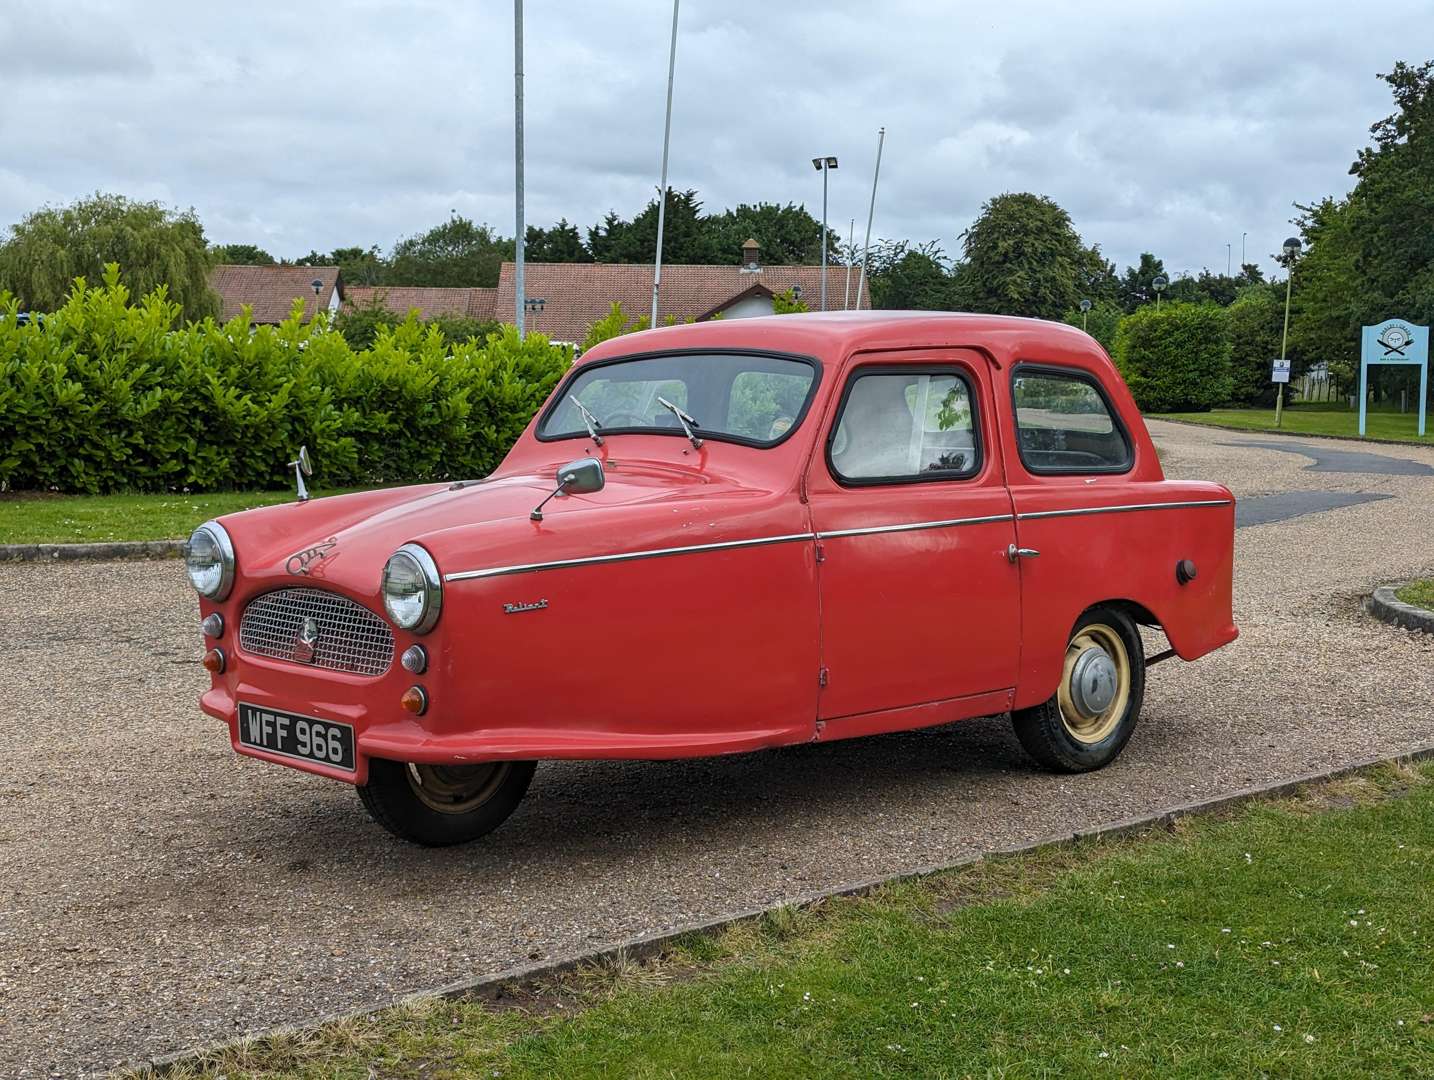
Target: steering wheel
[(625, 419)]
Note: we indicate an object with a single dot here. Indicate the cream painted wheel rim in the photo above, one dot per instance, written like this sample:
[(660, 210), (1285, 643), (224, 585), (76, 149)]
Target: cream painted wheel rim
[(456, 789), (1095, 649)]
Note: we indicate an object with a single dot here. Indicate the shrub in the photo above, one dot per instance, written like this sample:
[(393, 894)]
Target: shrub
[(360, 324), (105, 395), (1256, 319), (1176, 357)]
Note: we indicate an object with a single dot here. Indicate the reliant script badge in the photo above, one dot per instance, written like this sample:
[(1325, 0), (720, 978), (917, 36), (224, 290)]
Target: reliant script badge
[(303, 563), (514, 609), (307, 642)]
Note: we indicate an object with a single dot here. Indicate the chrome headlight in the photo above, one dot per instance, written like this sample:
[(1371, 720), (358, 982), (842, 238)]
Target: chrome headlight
[(209, 559), (412, 589)]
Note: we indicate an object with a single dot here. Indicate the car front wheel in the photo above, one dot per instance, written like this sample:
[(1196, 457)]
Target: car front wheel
[(1092, 714), (440, 805)]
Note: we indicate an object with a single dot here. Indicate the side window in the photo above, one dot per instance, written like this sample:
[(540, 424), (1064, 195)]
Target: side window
[(1063, 424), (905, 425)]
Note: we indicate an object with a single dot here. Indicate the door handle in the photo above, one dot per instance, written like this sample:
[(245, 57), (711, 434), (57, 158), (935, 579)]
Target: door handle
[(1013, 553)]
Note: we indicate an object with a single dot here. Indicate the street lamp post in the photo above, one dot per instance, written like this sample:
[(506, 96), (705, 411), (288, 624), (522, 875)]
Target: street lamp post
[(824, 165), (1228, 250), (1292, 250), (1242, 249), (1159, 284), (1084, 311)]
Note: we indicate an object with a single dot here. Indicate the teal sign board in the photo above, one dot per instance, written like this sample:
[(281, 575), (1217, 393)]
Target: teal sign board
[(1394, 341)]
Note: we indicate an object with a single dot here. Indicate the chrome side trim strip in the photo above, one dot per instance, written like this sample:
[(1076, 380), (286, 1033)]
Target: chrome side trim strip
[(624, 556), (1126, 508), (950, 523)]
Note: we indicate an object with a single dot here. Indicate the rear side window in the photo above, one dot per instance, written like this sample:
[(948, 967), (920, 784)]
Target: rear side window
[(903, 426), (1065, 425)]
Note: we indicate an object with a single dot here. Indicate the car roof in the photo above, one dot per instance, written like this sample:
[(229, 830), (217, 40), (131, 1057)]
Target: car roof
[(829, 336)]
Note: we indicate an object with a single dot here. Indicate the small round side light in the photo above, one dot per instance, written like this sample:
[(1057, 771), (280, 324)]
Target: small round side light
[(414, 659), (213, 625), (415, 700), (214, 661), (1185, 571)]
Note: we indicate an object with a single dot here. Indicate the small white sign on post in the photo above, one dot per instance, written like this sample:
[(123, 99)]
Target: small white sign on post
[(1279, 371)]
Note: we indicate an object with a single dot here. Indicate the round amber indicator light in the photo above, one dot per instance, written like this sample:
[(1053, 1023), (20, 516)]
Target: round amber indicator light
[(414, 700)]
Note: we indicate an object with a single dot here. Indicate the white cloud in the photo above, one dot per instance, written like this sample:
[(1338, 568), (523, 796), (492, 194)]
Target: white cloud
[(1172, 129)]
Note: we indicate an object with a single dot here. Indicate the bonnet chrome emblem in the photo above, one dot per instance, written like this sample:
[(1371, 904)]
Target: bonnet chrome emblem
[(306, 644), (514, 609), (302, 563)]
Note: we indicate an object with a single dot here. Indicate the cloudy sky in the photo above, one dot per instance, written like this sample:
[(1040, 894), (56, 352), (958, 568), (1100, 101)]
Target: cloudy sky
[(1169, 127)]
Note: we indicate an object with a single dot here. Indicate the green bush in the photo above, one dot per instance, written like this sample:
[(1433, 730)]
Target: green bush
[(360, 324), (1175, 358), (105, 396), (1256, 319)]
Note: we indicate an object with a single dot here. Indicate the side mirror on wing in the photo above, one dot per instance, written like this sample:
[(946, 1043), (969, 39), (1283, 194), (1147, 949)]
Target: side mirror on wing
[(580, 477)]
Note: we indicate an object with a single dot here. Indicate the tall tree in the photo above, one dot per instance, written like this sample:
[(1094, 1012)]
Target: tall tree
[(1135, 286), (1392, 205), (786, 235), (685, 237), (153, 246), (455, 253), (242, 255), (1023, 257), (910, 278), (558, 243)]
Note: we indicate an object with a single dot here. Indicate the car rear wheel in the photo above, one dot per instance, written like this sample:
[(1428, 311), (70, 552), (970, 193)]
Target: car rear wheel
[(439, 805), (1092, 714)]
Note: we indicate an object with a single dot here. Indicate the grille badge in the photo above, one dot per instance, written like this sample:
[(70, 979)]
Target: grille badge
[(307, 643)]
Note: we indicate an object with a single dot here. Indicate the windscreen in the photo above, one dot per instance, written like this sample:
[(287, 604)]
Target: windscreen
[(748, 398)]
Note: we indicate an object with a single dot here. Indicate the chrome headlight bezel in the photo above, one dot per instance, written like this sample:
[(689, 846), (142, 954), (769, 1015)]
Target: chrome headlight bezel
[(431, 591), (225, 547)]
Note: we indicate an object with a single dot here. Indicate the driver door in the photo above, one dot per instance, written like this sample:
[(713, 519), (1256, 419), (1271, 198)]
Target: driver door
[(919, 600)]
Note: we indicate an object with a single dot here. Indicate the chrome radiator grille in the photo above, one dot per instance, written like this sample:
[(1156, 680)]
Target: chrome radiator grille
[(346, 636)]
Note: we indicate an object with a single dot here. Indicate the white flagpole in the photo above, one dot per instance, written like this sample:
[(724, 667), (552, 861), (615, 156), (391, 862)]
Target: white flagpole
[(662, 187), (871, 213)]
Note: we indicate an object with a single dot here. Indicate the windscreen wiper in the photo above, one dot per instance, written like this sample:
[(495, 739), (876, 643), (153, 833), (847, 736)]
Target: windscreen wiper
[(591, 422), (687, 422)]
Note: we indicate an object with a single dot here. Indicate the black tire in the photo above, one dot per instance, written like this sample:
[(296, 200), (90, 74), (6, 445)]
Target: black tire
[(441, 816), (1053, 739)]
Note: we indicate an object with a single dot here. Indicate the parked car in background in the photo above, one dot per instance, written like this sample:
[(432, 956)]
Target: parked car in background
[(723, 537)]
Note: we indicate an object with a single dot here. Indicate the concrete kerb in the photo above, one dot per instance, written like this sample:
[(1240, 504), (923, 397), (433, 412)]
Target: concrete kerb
[(500, 984), (126, 549), (1383, 604)]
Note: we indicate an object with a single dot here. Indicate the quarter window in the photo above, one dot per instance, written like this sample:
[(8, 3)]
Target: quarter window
[(1064, 424), (905, 426)]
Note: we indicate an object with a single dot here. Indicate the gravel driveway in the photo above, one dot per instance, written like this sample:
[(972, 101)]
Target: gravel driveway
[(156, 891)]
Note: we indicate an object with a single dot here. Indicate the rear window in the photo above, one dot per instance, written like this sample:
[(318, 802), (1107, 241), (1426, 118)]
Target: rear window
[(1065, 425), (749, 398)]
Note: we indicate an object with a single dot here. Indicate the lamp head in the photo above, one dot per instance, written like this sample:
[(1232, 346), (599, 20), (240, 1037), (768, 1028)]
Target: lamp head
[(1292, 247)]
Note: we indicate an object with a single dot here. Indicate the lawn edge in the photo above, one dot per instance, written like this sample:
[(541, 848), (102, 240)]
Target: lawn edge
[(499, 984), (99, 552), (1426, 443), (1384, 605)]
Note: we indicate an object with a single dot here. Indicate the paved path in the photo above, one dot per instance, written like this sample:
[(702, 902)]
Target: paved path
[(156, 891)]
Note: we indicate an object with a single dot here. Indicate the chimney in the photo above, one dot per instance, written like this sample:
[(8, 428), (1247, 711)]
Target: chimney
[(750, 265)]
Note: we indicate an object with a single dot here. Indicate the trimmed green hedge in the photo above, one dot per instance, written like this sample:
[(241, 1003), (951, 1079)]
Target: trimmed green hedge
[(106, 396), (1175, 358)]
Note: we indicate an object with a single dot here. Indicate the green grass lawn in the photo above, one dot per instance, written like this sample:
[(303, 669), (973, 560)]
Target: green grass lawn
[(1290, 939), (27, 518), (1419, 593), (1314, 420)]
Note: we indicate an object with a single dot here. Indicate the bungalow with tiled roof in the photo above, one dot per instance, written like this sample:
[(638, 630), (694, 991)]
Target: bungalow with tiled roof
[(270, 291), (564, 299), (429, 302)]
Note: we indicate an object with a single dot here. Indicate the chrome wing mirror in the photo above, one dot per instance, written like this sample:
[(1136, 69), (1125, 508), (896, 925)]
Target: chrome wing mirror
[(302, 467), (579, 477)]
